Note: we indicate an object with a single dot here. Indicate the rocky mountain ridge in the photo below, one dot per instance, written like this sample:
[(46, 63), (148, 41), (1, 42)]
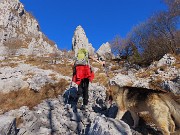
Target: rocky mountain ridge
[(20, 32)]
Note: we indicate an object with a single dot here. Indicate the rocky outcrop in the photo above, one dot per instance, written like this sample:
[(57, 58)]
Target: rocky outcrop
[(107, 127), (54, 116), (80, 40), (8, 125), (160, 75), (105, 51), (20, 32), (26, 76)]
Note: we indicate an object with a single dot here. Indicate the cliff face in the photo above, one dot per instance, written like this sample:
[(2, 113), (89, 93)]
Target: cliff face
[(20, 31)]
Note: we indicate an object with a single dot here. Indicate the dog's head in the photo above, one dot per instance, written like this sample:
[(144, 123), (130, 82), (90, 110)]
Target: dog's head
[(109, 98), (111, 93)]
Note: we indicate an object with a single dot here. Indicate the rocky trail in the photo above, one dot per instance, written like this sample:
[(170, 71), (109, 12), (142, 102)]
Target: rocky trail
[(32, 67), (60, 116), (54, 116)]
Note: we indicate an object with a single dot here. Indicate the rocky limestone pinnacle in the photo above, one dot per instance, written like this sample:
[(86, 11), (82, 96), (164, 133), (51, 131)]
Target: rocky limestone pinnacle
[(80, 40)]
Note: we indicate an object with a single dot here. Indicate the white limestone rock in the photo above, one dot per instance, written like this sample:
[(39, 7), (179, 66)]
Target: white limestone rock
[(105, 51), (80, 40), (166, 60), (8, 125), (44, 131), (109, 127), (172, 85), (123, 80), (26, 76), (38, 81), (20, 26), (159, 75)]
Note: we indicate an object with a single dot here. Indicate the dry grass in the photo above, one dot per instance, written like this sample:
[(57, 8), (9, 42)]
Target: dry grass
[(64, 69), (16, 99), (147, 73), (28, 75), (114, 67), (12, 65), (35, 61), (43, 63), (48, 40), (95, 64), (13, 44), (102, 78), (155, 84)]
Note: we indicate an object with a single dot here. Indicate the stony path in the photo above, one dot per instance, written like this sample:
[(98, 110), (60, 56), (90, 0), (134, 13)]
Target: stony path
[(54, 117)]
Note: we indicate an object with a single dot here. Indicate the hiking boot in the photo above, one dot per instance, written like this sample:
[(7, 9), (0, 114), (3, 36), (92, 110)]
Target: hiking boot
[(80, 102)]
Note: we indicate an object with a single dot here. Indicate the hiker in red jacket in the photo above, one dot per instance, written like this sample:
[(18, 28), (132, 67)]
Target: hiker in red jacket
[(82, 74)]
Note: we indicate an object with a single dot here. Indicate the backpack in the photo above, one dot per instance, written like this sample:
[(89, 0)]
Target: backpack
[(82, 57)]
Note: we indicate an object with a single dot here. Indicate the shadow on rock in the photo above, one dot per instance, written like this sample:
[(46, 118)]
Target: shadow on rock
[(51, 107), (100, 107), (70, 96)]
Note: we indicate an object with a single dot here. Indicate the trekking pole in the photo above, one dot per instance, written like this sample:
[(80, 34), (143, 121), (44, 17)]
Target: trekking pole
[(69, 92), (70, 86)]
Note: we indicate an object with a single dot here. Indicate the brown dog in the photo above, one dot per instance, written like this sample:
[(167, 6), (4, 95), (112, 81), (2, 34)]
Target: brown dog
[(162, 107)]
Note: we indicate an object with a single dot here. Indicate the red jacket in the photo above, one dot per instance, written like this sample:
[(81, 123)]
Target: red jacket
[(81, 72)]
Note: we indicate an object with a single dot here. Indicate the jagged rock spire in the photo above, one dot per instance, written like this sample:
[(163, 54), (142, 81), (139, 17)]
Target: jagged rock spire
[(80, 40)]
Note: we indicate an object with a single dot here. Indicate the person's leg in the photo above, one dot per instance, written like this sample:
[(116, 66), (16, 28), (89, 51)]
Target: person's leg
[(80, 94), (85, 91), (80, 89)]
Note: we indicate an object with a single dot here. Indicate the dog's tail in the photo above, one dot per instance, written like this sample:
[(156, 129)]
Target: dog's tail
[(174, 107)]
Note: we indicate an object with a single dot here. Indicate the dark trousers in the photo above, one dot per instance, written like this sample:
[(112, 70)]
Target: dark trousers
[(83, 90)]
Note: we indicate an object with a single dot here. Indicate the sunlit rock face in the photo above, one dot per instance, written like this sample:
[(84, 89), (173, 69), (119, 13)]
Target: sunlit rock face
[(160, 75), (80, 40), (105, 51), (20, 30)]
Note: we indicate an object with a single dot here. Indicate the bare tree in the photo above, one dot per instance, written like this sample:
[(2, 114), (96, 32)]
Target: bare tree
[(156, 36), (119, 47), (173, 7)]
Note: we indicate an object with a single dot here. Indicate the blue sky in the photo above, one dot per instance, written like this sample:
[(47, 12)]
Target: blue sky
[(102, 20)]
